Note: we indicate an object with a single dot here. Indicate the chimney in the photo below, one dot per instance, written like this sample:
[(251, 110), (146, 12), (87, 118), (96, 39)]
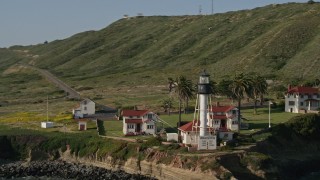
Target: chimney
[(217, 104), (289, 87)]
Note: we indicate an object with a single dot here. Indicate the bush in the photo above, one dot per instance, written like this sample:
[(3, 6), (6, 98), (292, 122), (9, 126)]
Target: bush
[(256, 160), (153, 141), (307, 125), (311, 2)]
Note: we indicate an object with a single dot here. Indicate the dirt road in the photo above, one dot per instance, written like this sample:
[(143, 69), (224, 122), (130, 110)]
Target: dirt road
[(53, 79)]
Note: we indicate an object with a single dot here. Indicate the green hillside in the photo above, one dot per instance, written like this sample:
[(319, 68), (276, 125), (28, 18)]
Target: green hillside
[(278, 41)]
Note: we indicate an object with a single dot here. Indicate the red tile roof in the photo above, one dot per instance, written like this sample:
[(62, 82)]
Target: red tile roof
[(134, 112), (186, 127), (222, 108), (303, 90), (133, 121)]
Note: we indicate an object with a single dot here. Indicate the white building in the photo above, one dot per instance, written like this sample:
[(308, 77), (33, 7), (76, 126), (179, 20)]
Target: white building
[(138, 122), (47, 124), (85, 109), (302, 100), (222, 120)]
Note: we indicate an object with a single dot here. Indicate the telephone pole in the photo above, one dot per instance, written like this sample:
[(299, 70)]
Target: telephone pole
[(211, 6)]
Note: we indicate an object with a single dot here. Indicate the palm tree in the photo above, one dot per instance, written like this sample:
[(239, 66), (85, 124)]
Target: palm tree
[(240, 86), (258, 88), (184, 89)]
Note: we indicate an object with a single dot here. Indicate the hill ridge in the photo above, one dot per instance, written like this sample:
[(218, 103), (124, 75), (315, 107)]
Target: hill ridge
[(277, 41)]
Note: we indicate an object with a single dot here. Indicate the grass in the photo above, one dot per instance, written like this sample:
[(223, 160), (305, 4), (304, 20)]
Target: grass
[(257, 122), (121, 66), (261, 119)]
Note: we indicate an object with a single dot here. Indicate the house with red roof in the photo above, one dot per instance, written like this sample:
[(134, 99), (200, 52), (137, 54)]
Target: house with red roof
[(302, 99), (222, 120), (137, 122)]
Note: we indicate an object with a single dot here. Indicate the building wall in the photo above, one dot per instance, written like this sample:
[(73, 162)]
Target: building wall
[(144, 126), (149, 131), (300, 103), (292, 107), (88, 108), (189, 137)]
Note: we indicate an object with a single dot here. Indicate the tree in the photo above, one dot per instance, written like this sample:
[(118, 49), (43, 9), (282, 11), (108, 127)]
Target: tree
[(257, 89), (170, 84), (223, 88), (311, 2), (240, 86), (184, 89), (167, 104)]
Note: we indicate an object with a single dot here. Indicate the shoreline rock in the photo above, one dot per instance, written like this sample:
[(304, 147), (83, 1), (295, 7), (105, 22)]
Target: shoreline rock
[(64, 170)]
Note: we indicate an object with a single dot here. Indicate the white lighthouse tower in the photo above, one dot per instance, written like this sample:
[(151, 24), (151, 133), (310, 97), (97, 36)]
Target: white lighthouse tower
[(206, 139)]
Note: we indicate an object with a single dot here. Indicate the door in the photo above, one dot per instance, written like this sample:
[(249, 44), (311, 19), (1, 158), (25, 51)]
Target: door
[(138, 129), (82, 127), (223, 123)]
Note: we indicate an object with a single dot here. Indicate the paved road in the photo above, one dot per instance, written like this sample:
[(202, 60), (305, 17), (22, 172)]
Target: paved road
[(53, 79)]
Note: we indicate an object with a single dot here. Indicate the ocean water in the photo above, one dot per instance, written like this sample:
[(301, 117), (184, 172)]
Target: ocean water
[(312, 176)]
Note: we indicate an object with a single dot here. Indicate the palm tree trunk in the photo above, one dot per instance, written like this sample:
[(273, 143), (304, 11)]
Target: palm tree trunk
[(180, 112), (239, 111), (261, 100), (179, 125), (255, 106), (187, 106)]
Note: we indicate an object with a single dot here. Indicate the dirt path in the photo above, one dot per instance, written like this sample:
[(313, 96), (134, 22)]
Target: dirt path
[(53, 79)]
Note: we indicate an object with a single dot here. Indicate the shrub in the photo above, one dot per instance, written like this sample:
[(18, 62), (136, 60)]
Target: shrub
[(307, 125), (311, 2)]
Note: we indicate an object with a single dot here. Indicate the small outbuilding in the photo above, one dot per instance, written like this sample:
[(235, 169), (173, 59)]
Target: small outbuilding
[(47, 124), (82, 125)]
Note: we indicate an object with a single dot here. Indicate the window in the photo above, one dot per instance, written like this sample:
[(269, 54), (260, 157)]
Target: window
[(301, 103), (85, 108), (216, 122), (234, 112), (234, 122), (301, 95), (130, 126), (85, 102), (150, 116), (291, 103), (309, 96), (318, 95), (130, 116), (149, 126)]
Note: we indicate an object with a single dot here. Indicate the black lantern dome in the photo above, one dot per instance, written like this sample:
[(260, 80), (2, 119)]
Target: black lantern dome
[(204, 83)]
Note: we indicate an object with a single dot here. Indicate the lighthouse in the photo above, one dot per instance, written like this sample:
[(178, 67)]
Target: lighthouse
[(205, 139), (204, 92)]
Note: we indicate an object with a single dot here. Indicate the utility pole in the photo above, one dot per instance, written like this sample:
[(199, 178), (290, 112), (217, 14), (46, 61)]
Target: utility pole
[(200, 10), (211, 6), (47, 108)]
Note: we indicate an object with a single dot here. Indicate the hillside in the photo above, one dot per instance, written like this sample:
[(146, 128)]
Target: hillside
[(278, 41)]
